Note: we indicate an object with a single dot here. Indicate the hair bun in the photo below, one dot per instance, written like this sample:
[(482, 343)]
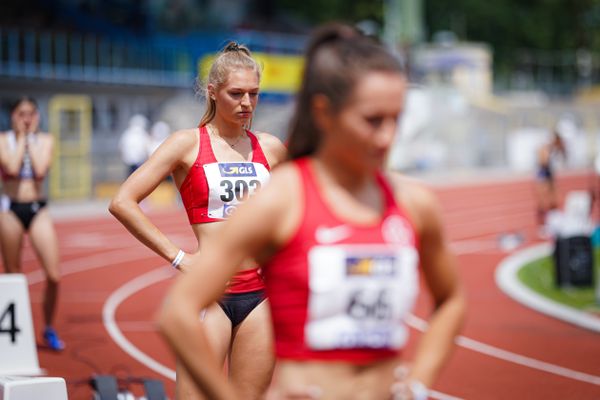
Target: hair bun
[(333, 32), (235, 47), (231, 46)]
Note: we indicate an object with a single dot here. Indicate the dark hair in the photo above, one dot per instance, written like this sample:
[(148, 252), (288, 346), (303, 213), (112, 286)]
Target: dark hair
[(232, 56), (23, 99), (336, 57)]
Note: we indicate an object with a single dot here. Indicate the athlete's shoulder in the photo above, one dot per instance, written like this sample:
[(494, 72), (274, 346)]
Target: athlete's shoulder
[(413, 194), (281, 195), (272, 147), (183, 137), (404, 183), (285, 171), (267, 139)]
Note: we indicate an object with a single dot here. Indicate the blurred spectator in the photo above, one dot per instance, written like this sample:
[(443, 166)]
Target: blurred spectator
[(158, 133), (134, 143), (547, 198)]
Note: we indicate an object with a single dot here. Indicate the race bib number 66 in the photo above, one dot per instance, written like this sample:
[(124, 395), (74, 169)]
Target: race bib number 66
[(359, 296)]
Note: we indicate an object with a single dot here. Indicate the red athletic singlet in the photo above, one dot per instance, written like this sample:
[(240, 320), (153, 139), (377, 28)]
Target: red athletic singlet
[(212, 190), (340, 291)]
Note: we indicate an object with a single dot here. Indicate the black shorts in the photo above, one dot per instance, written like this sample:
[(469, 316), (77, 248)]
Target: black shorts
[(237, 306), (544, 173)]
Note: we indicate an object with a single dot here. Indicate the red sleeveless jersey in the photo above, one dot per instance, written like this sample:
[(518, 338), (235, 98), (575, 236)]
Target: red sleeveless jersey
[(340, 291), (195, 188), (205, 203)]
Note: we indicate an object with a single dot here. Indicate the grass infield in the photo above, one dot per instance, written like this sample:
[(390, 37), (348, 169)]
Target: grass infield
[(539, 276)]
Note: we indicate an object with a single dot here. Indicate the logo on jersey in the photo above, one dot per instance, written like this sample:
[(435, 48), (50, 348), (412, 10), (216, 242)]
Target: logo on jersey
[(228, 209), (237, 169), (334, 234), (383, 265), (397, 230)]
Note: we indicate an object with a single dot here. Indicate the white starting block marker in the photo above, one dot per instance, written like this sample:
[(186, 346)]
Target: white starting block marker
[(26, 388), (17, 340)]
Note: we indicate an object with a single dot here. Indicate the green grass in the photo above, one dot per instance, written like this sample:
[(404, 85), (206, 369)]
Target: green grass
[(539, 276)]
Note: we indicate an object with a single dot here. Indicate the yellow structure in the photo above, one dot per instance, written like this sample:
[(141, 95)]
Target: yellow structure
[(281, 73), (70, 118)]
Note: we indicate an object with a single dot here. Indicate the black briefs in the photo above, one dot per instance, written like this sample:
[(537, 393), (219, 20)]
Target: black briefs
[(237, 306), (26, 211)]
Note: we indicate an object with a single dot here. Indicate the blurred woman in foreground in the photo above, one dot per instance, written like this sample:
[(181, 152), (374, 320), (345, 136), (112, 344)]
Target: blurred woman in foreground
[(340, 243)]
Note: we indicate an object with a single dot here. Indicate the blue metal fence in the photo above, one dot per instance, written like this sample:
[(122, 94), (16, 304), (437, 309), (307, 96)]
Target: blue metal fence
[(155, 61), (88, 58)]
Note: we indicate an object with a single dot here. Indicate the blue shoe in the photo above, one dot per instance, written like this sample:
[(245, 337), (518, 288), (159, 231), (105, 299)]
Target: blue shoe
[(52, 340)]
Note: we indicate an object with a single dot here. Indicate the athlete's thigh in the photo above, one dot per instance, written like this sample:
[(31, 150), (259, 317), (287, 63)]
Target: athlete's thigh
[(11, 241), (45, 242), (217, 328), (252, 357)]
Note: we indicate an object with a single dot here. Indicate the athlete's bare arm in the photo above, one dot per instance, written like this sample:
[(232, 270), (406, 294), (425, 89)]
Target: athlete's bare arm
[(175, 156), (274, 150), (40, 153), (11, 160), (439, 268)]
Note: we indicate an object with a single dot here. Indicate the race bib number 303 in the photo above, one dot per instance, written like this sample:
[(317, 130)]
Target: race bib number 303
[(359, 296), (231, 183)]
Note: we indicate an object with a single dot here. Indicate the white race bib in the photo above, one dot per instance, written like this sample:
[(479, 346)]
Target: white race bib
[(230, 183), (359, 296)]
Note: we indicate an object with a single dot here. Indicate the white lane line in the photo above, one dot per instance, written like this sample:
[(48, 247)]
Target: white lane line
[(109, 310), (492, 351), (87, 263), (509, 283)]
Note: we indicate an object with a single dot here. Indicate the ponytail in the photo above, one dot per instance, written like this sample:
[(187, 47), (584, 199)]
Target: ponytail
[(336, 57)]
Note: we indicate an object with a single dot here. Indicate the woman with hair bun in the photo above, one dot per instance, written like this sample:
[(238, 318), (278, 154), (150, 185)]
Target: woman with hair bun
[(341, 244), (216, 167)]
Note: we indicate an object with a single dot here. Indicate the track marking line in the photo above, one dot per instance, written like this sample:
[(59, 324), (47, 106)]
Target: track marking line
[(87, 263), (109, 310), (492, 351)]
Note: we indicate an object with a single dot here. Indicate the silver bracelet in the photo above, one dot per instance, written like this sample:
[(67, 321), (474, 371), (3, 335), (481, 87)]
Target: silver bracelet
[(178, 258), (419, 390)]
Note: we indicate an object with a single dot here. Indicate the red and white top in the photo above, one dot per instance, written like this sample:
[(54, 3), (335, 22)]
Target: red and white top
[(212, 189), (340, 291)]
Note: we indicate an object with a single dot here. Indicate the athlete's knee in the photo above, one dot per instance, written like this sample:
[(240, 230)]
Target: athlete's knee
[(53, 278)]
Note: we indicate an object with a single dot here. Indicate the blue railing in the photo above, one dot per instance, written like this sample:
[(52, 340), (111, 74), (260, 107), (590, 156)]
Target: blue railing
[(159, 60), (88, 58)]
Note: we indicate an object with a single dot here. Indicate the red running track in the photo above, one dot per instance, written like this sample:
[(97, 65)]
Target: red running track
[(507, 351)]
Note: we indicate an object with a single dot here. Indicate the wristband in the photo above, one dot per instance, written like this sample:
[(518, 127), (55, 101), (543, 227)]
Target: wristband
[(177, 259), (419, 390)]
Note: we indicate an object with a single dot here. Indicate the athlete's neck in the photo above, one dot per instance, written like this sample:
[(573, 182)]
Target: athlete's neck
[(224, 129), (352, 179)]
